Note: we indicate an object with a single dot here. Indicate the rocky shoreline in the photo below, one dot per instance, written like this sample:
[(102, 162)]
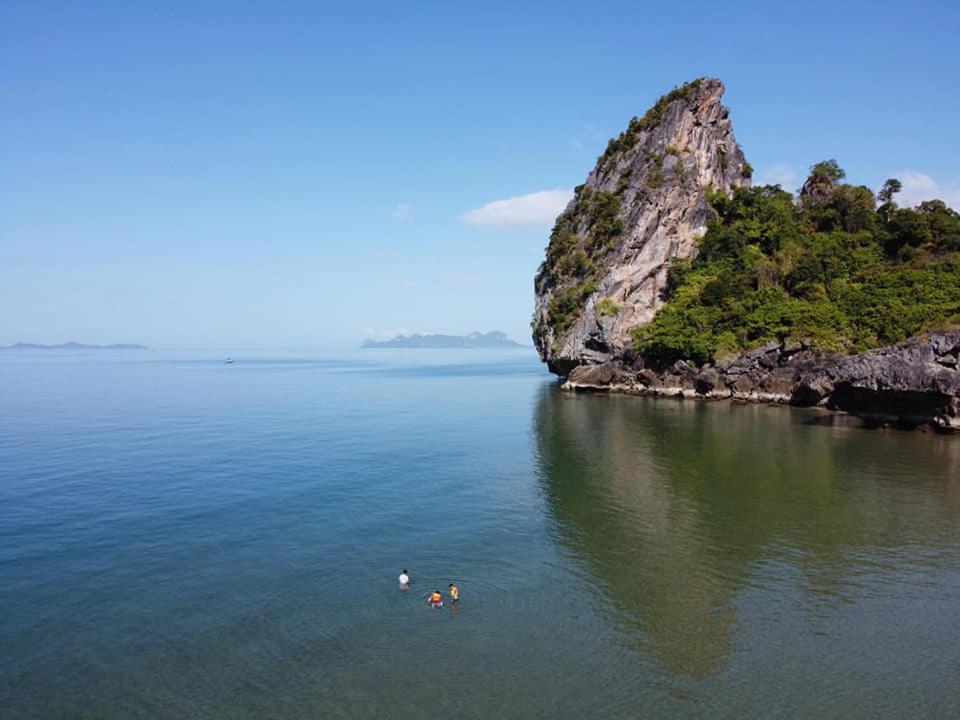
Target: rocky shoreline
[(912, 385)]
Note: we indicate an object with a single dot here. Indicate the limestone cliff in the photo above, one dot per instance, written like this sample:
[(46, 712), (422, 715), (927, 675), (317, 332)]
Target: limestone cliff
[(790, 315), (641, 206)]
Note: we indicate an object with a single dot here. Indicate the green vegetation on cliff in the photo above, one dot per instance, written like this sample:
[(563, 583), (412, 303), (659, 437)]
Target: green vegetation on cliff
[(628, 138), (591, 228), (833, 270), (574, 258)]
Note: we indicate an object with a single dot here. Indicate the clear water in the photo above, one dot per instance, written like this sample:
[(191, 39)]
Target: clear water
[(182, 538)]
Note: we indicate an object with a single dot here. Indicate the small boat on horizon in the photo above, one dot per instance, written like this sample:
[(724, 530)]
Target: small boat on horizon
[(229, 361)]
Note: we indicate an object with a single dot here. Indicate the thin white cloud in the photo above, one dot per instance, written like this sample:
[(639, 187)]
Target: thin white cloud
[(467, 280), (918, 187), (402, 212), (383, 334), (536, 209), (782, 175)]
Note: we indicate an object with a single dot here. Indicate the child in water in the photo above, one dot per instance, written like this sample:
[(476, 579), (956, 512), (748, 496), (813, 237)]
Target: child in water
[(435, 600), (404, 580), (454, 594)]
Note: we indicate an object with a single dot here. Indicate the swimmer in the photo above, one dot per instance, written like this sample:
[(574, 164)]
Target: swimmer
[(454, 594), (404, 580), (435, 600)]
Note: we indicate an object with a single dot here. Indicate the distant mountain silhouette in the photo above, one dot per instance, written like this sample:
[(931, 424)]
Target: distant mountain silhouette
[(493, 339)]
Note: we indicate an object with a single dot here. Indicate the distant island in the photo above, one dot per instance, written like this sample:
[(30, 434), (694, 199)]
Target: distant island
[(491, 339), (71, 346)]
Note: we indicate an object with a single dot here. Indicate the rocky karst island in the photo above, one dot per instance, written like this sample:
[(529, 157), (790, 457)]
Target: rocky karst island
[(669, 274)]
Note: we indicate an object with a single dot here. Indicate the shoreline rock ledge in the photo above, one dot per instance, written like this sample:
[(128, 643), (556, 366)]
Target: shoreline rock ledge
[(606, 273), (914, 384)]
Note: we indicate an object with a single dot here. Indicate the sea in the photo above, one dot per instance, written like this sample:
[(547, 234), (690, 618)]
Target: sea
[(186, 538)]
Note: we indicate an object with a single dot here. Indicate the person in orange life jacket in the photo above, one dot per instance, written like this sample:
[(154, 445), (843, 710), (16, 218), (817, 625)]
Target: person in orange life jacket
[(454, 594), (436, 599)]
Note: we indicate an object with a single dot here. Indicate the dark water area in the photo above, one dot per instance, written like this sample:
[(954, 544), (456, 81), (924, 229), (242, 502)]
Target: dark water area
[(183, 538)]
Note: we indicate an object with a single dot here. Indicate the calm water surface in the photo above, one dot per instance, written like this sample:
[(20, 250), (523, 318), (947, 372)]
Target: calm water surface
[(184, 539)]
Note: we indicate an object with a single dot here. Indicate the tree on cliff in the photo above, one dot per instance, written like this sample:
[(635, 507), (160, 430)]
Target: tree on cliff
[(885, 197), (823, 178), (890, 188)]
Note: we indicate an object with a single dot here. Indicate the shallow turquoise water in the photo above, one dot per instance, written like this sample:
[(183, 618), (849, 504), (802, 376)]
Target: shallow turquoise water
[(181, 538)]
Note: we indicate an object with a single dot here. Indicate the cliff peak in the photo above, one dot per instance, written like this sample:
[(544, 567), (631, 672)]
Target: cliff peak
[(642, 205)]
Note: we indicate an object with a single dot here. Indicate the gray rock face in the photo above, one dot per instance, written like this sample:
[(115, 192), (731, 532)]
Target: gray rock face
[(913, 384), (659, 170)]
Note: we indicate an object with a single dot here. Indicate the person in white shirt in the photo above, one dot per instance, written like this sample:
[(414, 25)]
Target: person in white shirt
[(404, 580)]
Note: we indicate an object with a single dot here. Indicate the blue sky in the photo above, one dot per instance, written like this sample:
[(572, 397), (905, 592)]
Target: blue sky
[(307, 174)]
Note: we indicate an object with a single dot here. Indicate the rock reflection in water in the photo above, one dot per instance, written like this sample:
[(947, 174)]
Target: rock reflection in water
[(678, 509)]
